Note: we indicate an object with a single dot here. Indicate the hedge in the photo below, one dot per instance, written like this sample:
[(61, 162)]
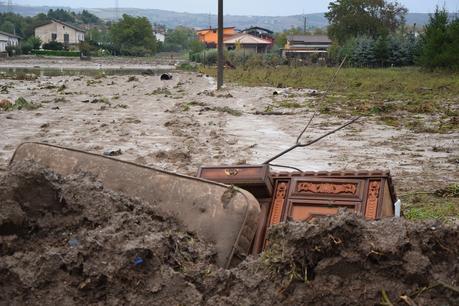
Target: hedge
[(56, 53)]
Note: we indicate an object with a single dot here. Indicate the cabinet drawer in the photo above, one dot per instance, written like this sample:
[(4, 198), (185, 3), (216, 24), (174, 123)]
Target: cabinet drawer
[(254, 179)]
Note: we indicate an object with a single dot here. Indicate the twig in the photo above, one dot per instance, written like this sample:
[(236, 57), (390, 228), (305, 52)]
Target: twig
[(336, 73), (385, 298), (448, 286), (422, 290), (274, 113), (305, 128), (301, 145), (408, 300)]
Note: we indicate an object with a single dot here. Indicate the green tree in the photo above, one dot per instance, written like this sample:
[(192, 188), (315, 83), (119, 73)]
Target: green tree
[(133, 36), (87, 18), (440, 42), (62, 15), (30, 44), (373, 18), (180, 39), (381, 49)]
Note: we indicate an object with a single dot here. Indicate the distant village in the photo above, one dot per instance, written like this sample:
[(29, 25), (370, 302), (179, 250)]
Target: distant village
[(383, 42), (254, 39)]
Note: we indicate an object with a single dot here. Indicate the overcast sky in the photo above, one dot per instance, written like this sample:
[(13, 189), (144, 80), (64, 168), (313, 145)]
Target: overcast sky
[(239, 7)]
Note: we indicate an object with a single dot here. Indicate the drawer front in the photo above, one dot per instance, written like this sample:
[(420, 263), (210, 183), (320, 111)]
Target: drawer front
[(235, 175), (306, 210), (328, 190)]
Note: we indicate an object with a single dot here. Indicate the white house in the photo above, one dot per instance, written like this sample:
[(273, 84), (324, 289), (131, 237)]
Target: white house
[(160, 36), (7, 39), (56, 30)]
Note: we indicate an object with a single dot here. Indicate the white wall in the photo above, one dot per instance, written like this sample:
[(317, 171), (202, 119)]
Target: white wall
[(6, 40), (45, 33)]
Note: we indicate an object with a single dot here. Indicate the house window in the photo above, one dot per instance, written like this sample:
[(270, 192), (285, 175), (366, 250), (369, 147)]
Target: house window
[(53, 36), (66, 38)]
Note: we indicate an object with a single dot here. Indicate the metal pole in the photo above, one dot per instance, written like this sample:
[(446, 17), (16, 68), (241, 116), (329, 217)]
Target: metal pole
[(221, 54)]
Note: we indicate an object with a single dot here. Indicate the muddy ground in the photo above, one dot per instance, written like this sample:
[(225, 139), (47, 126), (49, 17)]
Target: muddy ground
[(68, 241), (183, 123)]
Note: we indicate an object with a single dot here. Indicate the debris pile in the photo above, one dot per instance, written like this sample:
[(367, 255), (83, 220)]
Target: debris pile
[(67, 240)]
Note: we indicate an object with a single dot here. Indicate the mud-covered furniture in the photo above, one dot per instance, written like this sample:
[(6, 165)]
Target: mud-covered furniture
[(301, 196)]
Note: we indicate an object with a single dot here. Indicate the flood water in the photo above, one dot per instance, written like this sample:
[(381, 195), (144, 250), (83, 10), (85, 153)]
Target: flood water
[(51, 72)]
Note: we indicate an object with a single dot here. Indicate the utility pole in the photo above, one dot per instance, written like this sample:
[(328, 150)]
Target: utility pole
[(117, 6), (10, 6), (221, 55), (305, 26)]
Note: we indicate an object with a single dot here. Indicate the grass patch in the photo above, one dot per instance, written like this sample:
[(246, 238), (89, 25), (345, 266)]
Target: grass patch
[(442, 204), (160, 91), (289, 104), (393, 92), (228, 110), (22, 103), (440, 211)]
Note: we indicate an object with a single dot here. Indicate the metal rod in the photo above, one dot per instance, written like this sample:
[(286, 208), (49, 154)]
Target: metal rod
[(301, 145), (221, 55), (283, 166), (306, 127)]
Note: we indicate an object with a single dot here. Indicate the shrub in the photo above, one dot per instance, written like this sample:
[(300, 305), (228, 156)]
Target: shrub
[(13, 50), (238, 58), (53, 45), (35, 42), (56, 53), (440, 42)]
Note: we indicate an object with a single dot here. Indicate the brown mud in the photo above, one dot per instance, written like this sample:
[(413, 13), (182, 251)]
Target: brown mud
[(67, 241)]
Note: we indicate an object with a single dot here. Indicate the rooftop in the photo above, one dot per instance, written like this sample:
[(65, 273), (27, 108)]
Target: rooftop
[(63, 23), (10, 35), (309, 38), (246, 39)]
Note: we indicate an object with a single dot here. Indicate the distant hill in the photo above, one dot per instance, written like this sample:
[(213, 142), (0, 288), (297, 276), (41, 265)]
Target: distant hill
[(172, 19)]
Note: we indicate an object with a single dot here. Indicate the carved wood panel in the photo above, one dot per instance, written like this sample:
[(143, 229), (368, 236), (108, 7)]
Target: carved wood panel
[(278, 203), (330, 188), (371, 208)]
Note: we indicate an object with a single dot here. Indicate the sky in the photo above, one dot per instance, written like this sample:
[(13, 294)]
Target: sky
[(236, 7)]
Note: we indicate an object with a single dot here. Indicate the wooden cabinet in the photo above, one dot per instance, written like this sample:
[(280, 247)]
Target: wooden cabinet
[(294, 196)]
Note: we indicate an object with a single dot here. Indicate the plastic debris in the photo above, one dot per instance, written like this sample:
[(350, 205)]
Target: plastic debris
[(166, 77), (113, 152), (138, 261), (74, 242)]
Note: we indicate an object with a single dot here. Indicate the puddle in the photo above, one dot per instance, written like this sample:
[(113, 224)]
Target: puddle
[(88, 71)]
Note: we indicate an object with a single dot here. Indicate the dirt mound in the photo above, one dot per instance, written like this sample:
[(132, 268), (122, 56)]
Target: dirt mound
[(69, 241), (344, 260)]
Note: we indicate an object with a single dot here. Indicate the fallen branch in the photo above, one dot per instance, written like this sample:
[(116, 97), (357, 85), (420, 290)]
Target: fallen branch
[(301, 145), (275, 113)]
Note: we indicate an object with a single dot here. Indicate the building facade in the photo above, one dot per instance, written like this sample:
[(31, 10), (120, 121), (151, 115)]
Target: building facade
[(306, 46), (210, 36), (59, 31), (247, 42), (8, 39)]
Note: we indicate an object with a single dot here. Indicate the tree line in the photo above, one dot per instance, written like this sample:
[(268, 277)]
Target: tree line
[(369, 33), (373, 33), (130, 35)]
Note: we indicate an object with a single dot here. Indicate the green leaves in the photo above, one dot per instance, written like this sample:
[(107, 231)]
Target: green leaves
[(133, 36), (440, 42), (373, 18)]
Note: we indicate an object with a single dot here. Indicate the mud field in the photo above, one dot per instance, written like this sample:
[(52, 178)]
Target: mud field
[(67, 241), (181, 124)]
